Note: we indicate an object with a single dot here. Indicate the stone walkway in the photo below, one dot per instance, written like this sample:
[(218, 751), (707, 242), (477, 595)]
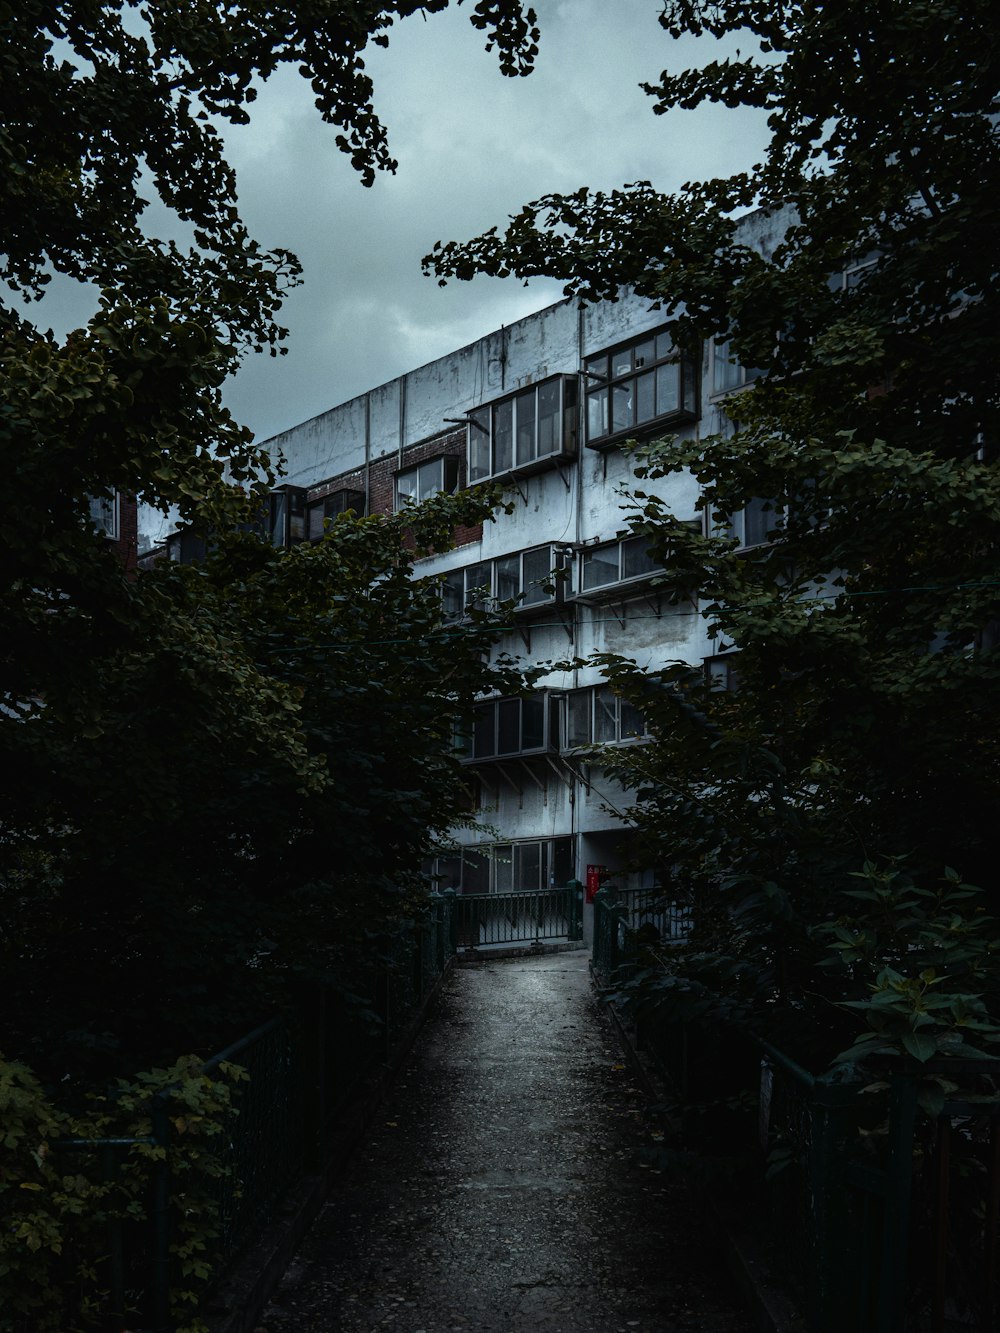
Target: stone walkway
[(502, 1191)]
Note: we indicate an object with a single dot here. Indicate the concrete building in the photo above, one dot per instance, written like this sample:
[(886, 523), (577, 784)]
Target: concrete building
[(542, 406)]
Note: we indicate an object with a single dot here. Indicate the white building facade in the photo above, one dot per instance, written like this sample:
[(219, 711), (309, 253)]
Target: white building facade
[(543, 407)]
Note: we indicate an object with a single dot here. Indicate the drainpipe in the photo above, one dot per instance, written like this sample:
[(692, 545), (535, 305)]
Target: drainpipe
[(402, 417), (368, 453)]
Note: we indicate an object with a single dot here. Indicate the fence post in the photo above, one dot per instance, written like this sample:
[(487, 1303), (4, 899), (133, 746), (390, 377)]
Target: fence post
[(575, 929), (160, 1119), (899, 1170), (450, 921)]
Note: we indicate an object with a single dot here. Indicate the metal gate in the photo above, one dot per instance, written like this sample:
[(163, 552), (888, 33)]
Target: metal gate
[(518, 918)]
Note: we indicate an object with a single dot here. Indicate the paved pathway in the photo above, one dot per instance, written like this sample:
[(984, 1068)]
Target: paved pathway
[(501, 1192)]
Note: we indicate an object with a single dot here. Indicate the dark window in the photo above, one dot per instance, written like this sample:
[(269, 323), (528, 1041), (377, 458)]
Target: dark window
[(526, 428), (642, 382), (337, 502), (597, 716), (426, 479), (727, 373), (506, 727)]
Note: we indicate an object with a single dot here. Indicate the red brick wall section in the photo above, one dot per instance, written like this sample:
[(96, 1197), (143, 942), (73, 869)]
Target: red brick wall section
[(382, 478), (127, 544)]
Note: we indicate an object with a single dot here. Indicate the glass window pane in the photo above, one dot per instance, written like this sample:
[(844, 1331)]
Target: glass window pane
[(596, 365), (525, 403), (477, 584), (664, 346), (621, 363), (479, 445), (475, 871), (600, 566), (622, 405), (537, 573), (532, 723), (636, 559), (483, 729), (689, 371), (578, 718), (645, 407), (758, 520), (605, 709), (406, 486), (726, 371), (632, 721), (314, 521), (503, 437), (549, 441), (503, 868), (597, 414), (508, 578), (645, 353), (528, 866), (453, 594), (562, 860), (667, 399), (508, 726), (429, 478)]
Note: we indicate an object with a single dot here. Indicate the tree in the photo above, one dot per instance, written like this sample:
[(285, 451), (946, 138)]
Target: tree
[(199, 766), (862, 738)]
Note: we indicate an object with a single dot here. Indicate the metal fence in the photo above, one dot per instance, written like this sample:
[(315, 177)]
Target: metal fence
[(302, 1071), (518, 918), (885, 1218), (890, 1216)]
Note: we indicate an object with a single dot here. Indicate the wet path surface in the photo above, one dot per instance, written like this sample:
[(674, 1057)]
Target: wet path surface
[(500, 1190)]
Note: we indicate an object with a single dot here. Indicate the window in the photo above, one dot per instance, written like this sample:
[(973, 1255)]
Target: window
[(644, 381), (727, 373), (722, 672), (531, 578), (612, 564), (506, 867), (504, 728), (287, 515), (525, 430), (616, 563), (754, 523), (432, 477), (104, 511), (337, 502), (597, 716)]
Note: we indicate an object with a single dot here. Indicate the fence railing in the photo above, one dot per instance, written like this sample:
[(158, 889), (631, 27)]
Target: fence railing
[(886, 1218), (892, 1217), (518, 918), (302, 1071)]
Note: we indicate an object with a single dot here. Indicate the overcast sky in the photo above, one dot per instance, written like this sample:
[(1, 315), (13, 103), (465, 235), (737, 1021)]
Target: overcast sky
[(472, 147)]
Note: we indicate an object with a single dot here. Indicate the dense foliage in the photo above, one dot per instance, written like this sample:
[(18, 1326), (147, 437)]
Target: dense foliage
[(862, 738), (211, 776)]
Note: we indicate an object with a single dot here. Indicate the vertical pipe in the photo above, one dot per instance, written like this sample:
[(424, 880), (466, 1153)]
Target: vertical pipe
[(368, 453), (941, 1224), (161, 1216), (902, 1120), (991, 1234), (109, 1173)]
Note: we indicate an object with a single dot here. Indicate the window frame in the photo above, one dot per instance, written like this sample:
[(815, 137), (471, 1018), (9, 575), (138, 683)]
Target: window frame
[(550, 720), (624, 584), (607, 695), (471, 579), (743, 378), (450, 479), (104, 512), (600, 378), (482, 422), (330, 506)]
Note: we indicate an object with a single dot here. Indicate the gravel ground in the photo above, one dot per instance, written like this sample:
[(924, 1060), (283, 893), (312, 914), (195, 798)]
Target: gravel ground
[(501, 1189)]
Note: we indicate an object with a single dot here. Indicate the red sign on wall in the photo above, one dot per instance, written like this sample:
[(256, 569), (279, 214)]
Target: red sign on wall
[(594, 876)]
